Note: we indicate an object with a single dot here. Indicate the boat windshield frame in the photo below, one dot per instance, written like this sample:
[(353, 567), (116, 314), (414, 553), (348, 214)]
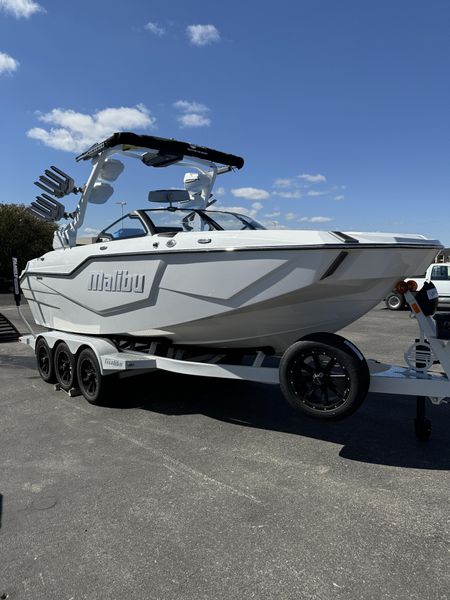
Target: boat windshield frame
[(206, 215), (152, 229)]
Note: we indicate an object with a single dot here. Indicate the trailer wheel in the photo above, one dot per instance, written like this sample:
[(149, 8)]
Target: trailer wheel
[(324, 380), (395, 301), (338, 341), (44, 359), (65, 368), (94, 386)]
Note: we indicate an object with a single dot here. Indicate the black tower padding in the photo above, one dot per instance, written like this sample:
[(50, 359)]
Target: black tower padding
[(165, 146)]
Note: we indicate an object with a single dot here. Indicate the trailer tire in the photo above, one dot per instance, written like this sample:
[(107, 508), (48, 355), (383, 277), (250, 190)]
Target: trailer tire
[(44, 360), (95, 387), (65, 367), (338, 341), (326, 381), (395, 301)]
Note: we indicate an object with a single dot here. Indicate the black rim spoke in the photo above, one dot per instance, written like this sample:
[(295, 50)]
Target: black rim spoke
[(316, 360), (64, 368), (306, 367), (89, 377), (309, 393), (327, 370), (44, 361), (320, 380), (335, 391)]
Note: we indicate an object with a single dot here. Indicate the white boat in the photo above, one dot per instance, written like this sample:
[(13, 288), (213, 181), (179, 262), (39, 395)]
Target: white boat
[(195, 276)]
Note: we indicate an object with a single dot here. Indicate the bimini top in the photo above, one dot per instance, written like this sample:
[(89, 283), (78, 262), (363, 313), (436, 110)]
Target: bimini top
[(169, 150)]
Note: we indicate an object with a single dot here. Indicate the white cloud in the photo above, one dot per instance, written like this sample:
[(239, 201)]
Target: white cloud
[(312, 178), (91, 230), (301, 186), (271, 224), (250, 193), (191, 107), (243, 210), (237, 209), (274, 214), (294, 187), (316, 219), (155, 28), (320, 219), (220, 191), (21, 8), (289, 194), (283, 182), (74, 132), (201, 35), (290, 216), (8, 64), (257, 206), (194, 114), (194, 120), (316, 193)]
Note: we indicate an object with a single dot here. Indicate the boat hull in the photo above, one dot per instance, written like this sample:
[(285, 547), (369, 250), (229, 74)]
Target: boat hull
[(224, 297)]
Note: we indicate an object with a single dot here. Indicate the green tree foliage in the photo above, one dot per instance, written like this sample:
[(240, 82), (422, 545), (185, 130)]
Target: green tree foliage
[(23, 235)]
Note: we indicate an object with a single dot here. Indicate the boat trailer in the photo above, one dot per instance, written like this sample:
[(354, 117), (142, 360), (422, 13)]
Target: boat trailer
[(322, 375)]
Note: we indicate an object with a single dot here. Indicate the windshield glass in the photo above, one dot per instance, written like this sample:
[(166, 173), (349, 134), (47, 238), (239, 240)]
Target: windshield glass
[(165, 221), (233, 221)]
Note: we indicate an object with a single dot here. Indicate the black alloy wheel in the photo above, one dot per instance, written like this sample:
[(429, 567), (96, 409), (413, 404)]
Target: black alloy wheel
[(94, 386), (44, 360), (323, 380), (64, 362)]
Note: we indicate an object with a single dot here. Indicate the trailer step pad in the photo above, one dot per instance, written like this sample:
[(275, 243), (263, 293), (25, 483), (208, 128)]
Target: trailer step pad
[(8, 333)]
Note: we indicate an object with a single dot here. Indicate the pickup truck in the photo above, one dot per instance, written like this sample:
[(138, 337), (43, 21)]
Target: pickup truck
[(438, 274)]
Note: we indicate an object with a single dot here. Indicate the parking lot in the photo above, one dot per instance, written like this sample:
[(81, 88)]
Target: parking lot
[(189, 488)]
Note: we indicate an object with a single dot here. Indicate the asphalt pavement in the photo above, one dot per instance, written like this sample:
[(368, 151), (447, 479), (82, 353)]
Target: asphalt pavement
[(189, 488)]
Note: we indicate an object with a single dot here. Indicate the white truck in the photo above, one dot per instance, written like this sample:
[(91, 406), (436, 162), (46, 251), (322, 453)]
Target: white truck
[(438, 274)]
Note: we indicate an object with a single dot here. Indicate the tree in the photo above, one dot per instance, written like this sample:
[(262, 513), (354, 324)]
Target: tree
[(22, 235)]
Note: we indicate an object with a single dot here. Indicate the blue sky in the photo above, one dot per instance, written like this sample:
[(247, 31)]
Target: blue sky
[(340, 109)]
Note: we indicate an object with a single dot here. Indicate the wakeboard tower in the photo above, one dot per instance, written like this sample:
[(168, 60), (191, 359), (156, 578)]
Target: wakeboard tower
[(153, 152)]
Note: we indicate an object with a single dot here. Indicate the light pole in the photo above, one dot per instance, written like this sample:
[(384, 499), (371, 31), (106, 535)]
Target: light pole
[(122, 204)]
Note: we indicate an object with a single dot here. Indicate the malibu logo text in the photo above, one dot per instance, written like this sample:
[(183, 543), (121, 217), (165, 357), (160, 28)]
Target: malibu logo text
[(119, 281)]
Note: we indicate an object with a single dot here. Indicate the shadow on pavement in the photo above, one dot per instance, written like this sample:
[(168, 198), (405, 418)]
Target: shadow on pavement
[(380, 432), (13, 361)]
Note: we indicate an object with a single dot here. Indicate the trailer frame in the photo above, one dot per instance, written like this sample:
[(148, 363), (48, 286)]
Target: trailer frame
[(414, 379)]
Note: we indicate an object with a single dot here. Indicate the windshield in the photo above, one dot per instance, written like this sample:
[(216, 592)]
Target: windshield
[(233, 221), (165, 221)]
